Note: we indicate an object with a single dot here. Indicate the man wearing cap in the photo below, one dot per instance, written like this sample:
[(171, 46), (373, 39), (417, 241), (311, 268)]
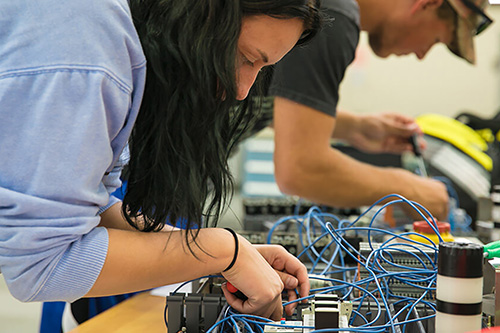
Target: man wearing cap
[(305, 84)]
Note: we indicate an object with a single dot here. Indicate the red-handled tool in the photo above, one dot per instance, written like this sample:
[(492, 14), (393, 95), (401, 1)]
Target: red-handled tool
[(233, 290)]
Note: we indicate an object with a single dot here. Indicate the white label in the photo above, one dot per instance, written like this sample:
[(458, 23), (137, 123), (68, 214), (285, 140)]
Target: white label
[(308, 321)]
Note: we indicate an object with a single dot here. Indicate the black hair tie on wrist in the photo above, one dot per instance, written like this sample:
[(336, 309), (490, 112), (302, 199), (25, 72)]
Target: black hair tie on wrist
[(236, 248)]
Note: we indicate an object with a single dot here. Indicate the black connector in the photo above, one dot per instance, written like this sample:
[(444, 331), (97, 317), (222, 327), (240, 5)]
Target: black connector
[(176, 318)]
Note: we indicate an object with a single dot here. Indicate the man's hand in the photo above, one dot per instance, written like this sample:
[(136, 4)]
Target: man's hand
[(384, 133)]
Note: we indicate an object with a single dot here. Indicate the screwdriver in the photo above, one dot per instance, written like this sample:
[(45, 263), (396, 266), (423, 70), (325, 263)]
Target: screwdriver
[(418, 154), (233, 290)]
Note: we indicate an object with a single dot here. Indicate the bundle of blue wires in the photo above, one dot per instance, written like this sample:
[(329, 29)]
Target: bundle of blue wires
[(458, 218), (316, 226)]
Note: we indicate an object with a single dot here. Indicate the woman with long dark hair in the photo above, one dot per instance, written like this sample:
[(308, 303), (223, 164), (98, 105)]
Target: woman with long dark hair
[(165, 74)]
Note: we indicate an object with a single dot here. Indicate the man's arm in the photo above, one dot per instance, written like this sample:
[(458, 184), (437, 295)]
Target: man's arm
[(306, 165)]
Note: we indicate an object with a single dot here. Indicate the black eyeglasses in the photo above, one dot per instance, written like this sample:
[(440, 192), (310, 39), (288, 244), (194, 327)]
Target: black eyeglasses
[(484, 21)]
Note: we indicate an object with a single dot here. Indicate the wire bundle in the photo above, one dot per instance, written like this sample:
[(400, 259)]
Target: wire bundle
[(377, 307)]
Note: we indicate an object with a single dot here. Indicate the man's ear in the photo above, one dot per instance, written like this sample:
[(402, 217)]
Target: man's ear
[(425, 4)]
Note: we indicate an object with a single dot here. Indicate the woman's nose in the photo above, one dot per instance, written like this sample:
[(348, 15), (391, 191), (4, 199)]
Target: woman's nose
[(245, 82)]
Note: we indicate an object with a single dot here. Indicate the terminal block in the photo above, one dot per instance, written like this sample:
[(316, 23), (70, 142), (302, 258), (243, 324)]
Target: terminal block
[(193, 312)]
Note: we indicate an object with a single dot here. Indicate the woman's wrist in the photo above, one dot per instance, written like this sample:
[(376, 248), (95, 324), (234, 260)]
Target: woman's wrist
[(236, 249), (216, 249)]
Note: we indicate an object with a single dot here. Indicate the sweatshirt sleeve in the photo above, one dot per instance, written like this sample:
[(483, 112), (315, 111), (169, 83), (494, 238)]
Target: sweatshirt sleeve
[(62, 130), (112, 181)]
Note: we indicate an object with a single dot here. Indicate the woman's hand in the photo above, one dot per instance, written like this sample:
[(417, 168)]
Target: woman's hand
[(291, 270), (255, 278)]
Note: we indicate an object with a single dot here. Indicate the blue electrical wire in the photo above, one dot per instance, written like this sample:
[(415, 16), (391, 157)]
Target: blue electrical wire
[(381, 266)]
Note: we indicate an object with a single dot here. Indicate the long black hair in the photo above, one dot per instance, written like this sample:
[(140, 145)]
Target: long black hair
[(188, 122)]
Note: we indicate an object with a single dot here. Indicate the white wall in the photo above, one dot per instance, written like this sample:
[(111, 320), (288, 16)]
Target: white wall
[(441, 83)]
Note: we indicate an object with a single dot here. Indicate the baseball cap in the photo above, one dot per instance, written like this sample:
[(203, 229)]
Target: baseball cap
[(471, 21)]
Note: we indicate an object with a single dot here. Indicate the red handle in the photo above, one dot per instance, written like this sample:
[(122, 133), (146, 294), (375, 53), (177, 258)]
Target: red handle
[(232, 289)]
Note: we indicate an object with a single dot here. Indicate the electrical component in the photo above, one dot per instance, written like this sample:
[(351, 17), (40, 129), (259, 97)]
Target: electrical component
[(325, 311), (391, 287), (394, 259), (262, 211), (330, 312), (289, 240), (423, 228), (318, 281), (193, 312), (287, 327), (459, 289)]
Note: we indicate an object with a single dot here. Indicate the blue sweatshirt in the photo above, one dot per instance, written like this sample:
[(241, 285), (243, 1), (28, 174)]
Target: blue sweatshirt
[(72, 75)]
